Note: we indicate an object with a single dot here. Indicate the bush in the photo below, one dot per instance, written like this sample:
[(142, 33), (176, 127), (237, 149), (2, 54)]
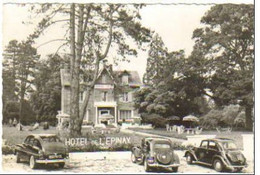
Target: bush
[(228, 116), (154, 119), (7, 149)]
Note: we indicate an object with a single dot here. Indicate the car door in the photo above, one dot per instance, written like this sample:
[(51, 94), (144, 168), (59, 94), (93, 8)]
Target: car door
[(201, 151), (211, 151)]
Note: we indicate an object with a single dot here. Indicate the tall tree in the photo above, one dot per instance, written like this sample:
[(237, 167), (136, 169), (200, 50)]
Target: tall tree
[(157, 56), (225, 45), (45, 99), (20, 60), (94, 30)]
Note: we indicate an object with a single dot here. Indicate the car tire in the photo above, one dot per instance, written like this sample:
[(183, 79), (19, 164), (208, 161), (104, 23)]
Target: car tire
[(174, 169), (133, 158), (189, 158), (147, 168), (218, 165), (61, 165), (238, 170), (18, 157), (32, 162)]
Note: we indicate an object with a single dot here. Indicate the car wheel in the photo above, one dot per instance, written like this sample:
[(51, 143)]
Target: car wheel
[(18, 157), (189, 158), (174, 169), (239, 169), (147, 168), (32, 162), (133, 158), (218, 165), (61, 165)]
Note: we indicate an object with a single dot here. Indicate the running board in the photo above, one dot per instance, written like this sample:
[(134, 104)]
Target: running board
[(208, 164)]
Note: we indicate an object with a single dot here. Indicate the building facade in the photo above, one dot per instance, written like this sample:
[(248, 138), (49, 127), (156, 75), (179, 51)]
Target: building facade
[(111, 101)]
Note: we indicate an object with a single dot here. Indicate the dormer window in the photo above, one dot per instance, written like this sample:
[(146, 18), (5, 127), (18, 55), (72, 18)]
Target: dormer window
[(125, 79)]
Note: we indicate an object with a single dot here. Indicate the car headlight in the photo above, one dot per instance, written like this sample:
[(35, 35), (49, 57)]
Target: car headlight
[(150, 160), (41, 154)]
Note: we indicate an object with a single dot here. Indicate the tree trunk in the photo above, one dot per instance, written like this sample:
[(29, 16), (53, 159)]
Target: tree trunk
[(74, 82), (249, 118), (22, 91)]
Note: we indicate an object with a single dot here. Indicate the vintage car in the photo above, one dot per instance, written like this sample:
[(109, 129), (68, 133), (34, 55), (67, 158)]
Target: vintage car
[(220, 153), (155, 153), (42, 149)]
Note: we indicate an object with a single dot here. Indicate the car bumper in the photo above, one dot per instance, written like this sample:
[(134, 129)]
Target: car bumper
[(50, 161), (163, 166), (234, 167)]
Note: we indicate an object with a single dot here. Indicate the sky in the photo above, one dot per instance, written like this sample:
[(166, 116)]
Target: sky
[(174, 23)]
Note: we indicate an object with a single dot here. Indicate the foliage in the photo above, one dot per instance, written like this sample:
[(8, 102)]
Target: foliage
[(231, 115), (99, 27), (154, 119), (174, 86), (19, 60), (225, 46), (45, 100)]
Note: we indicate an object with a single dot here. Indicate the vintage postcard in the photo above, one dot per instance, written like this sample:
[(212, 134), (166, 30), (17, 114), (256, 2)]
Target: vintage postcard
[(134, 87)]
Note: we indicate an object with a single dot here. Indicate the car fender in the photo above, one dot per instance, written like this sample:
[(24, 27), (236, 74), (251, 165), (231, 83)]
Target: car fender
[(21, 148), (192, 152), (221, 158)]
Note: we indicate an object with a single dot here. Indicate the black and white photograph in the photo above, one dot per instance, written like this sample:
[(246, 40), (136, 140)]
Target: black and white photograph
[(130, 87)]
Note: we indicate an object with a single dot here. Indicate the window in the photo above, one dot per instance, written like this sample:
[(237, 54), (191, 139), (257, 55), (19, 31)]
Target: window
[(104, 98), (204, 144), (104, 111), (81, 96), (125, 114), (125, 96), (125, 79), (212, 145)]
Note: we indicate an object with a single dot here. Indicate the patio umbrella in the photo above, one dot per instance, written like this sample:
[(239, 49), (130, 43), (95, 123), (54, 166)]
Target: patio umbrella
[(173, 117), (190, 118)]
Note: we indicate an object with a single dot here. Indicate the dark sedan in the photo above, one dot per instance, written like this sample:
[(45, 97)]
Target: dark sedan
[(220, 153), (42, 149), (155, 153)]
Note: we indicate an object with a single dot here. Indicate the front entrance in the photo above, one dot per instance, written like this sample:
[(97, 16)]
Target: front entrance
[(106, 115)]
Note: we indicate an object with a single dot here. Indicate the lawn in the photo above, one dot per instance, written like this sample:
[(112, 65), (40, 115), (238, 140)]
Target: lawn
[(235, 135), (12, 136)]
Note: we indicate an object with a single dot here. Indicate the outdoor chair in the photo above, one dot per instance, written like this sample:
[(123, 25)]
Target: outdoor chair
[(198, 130), (221, 130)]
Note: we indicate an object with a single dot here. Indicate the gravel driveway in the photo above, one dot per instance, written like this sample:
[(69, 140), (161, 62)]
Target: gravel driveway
[(102, 162)]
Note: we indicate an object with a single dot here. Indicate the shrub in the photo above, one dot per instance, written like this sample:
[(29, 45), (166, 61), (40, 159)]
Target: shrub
[(7, 149), (154, 119)]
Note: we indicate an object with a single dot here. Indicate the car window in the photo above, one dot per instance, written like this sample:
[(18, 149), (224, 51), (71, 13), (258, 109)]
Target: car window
[(31, 141), (213, 145), (50, 139), (162, 145), (27, 140), (36, 143), (204, 144), (229, 146)]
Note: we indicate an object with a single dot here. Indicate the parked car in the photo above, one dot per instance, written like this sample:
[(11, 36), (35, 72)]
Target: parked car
[(155, 153), (220, 153), (42, 149)]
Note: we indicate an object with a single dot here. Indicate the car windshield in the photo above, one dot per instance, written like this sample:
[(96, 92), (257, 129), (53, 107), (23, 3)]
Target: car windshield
[(50, 139), (162, 145), (229, 145)]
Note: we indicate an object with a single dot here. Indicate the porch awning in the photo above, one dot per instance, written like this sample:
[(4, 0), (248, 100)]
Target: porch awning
[(106, 116)]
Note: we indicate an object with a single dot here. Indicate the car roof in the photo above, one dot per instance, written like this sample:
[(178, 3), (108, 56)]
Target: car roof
[(219, 139), (157, 139)]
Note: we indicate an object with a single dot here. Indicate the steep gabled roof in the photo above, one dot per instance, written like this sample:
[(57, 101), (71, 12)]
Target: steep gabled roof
[(134, 79)]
